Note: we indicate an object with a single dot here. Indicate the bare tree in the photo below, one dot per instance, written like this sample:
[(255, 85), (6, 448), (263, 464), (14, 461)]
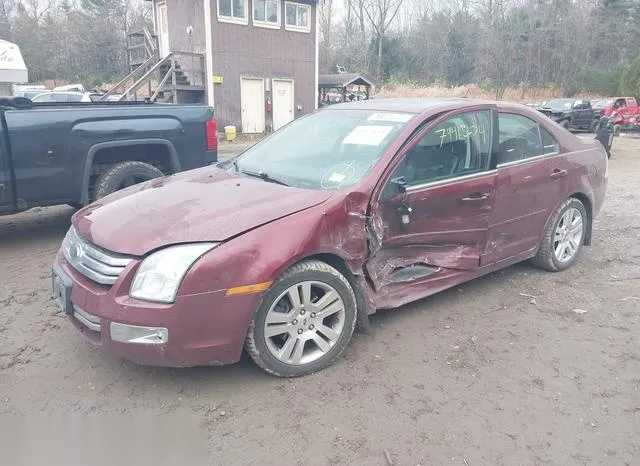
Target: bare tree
[(381, 14)]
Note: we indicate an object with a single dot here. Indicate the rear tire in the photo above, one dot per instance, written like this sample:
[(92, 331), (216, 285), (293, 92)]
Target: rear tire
[(304, 321), (563, 238), (122, 175)]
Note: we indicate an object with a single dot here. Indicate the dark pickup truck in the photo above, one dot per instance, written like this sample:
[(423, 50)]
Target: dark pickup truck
[(76, 153), (575, 114)]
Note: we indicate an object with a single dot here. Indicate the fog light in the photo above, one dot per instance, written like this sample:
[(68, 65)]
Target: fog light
[(124, 333)]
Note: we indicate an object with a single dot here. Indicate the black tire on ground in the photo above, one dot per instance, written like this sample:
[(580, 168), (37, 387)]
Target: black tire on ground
[(565, 124), (616, 130), (593, 126), (309, 270), (546, 258), (123, 175)]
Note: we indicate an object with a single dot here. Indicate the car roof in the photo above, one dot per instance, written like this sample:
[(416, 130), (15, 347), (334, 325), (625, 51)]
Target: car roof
[(420, 105)]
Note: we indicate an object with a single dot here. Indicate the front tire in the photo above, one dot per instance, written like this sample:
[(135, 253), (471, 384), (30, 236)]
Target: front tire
[(122, 175), (565, 124), (304, 322), (563, 238)]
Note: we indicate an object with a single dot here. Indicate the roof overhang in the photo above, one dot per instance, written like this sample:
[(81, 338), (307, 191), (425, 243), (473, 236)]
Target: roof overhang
[(327, 81), (12, 66)]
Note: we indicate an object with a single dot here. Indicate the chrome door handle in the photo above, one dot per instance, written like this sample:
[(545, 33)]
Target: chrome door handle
[(475, 197), (558, 174)]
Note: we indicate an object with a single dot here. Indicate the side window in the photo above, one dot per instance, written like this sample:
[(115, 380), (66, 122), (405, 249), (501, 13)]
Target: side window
[(549, 144), (461, 145), (519, 138)]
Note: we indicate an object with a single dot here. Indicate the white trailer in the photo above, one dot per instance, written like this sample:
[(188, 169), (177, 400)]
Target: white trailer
[(12, 67)]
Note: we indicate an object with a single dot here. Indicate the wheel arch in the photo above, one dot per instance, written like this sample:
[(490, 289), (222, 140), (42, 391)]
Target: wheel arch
[(106, 147), (588, 206), (340, 264)]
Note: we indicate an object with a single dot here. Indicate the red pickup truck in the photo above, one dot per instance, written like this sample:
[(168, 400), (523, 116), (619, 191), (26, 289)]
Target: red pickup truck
[(626, 109)]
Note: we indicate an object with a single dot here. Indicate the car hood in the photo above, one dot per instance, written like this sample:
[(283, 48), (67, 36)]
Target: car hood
[(551, 111), (206, 204)]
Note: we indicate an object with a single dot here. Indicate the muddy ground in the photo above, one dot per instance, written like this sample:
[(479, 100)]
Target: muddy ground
[(520, 367)]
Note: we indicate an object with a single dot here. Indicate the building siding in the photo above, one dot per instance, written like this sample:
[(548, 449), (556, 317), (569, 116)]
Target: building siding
[(181, 14), (247, 51)]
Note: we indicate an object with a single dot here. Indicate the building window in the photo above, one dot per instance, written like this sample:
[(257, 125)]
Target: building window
[(233, 11), (297, 17), (266, 13)]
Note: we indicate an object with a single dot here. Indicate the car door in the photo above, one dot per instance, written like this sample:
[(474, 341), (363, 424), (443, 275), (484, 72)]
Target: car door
[(531, 177), (40, 149), (587, 114), (432, 212), (6, 194), (578, 114)]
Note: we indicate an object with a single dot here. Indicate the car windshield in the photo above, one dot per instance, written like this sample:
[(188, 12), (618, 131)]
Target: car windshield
[(329, 149), (559, 104)]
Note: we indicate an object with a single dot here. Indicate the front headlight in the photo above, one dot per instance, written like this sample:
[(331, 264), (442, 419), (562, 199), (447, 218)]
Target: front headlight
[(160, 274)]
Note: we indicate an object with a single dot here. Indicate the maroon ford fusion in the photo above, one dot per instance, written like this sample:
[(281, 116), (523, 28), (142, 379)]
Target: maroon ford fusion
[(282, 250)]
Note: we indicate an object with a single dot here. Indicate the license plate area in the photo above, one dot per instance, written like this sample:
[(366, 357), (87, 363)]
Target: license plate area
[(62, 286)]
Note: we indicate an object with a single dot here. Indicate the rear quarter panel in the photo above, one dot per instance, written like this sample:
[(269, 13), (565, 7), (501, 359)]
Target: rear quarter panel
[(56, 140), (587, 165), (585, 159)]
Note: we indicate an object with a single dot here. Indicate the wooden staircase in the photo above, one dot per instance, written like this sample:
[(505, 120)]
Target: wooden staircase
[(177, 78)]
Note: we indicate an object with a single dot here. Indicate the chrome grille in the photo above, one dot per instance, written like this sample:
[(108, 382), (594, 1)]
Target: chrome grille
[(95, 263)]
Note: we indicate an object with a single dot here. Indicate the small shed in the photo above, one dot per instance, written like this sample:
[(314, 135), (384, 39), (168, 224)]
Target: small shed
[(343, 84), (12, 67)]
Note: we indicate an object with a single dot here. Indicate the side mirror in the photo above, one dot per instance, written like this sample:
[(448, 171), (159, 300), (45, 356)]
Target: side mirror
[(396, 190), (400, 183)]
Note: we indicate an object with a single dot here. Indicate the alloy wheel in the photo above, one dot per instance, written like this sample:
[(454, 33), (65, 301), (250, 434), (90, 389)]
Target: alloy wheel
[(304, 322), (568, 235)]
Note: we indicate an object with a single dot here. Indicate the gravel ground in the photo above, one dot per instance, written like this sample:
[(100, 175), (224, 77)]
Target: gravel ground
[(520, 367)]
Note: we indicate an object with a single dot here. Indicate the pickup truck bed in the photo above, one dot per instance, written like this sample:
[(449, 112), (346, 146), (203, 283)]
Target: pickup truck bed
[(75, 153)]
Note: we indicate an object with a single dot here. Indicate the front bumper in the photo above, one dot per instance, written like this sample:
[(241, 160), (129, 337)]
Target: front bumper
[(196, 330)]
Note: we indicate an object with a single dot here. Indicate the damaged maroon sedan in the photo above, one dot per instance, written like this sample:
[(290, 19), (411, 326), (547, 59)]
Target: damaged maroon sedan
[(362, 206)]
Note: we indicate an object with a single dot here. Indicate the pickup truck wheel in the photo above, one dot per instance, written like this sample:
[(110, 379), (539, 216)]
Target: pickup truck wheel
[(565, 124), (594, 125), (563, 238), (304, 321), (122, 175)]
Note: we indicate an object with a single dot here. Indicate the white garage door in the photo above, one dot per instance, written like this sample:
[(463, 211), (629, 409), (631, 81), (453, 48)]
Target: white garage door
[(252, 102), (282, 103)]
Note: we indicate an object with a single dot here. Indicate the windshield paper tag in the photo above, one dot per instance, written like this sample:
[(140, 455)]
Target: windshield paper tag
[(392, 117), (337, 177), (367, 135)]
